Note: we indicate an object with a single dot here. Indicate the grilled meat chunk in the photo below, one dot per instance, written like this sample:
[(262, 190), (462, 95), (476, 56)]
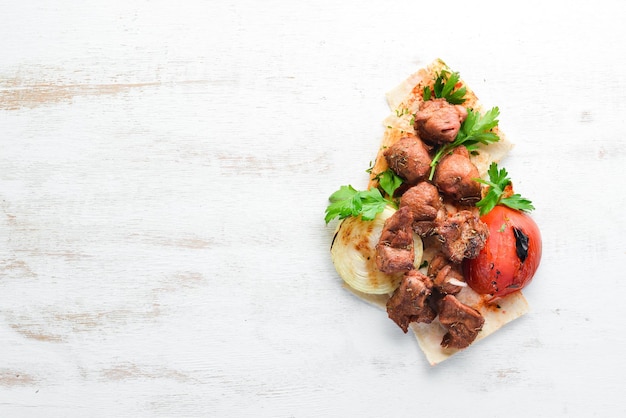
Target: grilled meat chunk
[(438, 122), (463, 322), (394, 251), (409, 303), (425, 203), (462, 235), (447, 278), (409, 159), (455, 175)]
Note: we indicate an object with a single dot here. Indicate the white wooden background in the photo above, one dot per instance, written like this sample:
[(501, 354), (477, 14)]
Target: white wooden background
[(164, 169)]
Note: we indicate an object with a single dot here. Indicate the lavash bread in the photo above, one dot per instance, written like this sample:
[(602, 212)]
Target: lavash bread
[(404, 101)]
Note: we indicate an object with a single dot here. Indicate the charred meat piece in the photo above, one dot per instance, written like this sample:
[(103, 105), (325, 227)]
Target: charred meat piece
[(409, 159), (438, 122), (462, 235), (447, 278), (463, 322), (394, 260), (455, 175), (425, 203), (409, 303), (394, 251)]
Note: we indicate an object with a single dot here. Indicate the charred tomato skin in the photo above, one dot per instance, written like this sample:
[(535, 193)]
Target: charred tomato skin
[(511, 254)]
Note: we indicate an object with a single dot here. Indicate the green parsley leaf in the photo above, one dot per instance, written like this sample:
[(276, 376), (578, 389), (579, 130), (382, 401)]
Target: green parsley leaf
[(444, 87), (347, 201), (389, 181), (498, 181), (427, 93), (372, 203), (475, 130), (340, 205), (401, 112), (344, 193), (518, 202)]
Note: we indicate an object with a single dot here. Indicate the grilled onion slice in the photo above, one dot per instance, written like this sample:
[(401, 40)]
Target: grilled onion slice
[(353, 252)]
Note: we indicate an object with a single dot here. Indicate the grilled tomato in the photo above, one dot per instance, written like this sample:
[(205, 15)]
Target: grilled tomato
[(511, 255)]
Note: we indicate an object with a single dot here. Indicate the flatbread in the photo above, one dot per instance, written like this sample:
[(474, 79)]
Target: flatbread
[(404, 100), (496, 314)]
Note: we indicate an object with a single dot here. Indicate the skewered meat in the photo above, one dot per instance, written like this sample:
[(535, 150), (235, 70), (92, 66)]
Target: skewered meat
[(438, 121), (409, 303), (394, 251), (447, 278), (409, 159), (462, 235), (425, 204), (463, 322), (455, 175)]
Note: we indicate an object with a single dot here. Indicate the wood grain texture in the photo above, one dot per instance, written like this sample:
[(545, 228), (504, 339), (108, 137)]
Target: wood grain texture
[(164, 169)]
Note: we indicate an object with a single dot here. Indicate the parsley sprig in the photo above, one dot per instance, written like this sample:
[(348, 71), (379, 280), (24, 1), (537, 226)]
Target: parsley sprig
[(444, 87), (347, 201), (476, 129), (498, 182), (389, 181)]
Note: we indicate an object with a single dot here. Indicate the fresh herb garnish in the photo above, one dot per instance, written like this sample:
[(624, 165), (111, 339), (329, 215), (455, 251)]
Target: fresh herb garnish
[(402, 112), (475, 130), (444, 87), (498, 181), (347, 201), (389, 181)]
